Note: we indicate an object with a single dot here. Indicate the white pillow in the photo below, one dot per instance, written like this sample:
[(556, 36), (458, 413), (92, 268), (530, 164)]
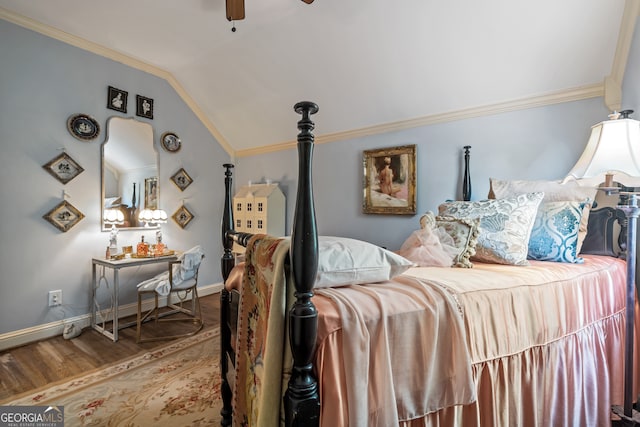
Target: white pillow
[(343, 261)]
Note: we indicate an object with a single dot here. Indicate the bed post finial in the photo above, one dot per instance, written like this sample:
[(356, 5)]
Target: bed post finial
[(227, 263), (302, 400), (466, 183)]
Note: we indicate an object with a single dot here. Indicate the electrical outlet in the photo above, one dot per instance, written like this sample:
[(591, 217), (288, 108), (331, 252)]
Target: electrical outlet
[(55, 298)]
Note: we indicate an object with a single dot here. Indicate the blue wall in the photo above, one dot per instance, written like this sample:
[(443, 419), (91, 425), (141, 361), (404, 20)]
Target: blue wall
[(42, 82)]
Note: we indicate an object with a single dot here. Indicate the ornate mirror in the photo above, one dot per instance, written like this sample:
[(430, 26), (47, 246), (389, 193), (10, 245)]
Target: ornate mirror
[(129, 170)]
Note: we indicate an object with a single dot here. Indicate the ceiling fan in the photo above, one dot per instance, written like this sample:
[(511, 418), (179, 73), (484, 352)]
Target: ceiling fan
[(235, 9)]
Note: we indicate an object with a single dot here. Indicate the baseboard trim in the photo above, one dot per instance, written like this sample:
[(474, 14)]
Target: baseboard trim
[(52, 329)]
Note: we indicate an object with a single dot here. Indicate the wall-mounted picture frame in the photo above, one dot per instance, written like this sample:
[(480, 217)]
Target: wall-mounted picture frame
[(181, 179), (83, 127), (64, 216), (63, 168), (390, 180), (170, 142), (182, 216), (151, 193), (144, 107), (117, 99)]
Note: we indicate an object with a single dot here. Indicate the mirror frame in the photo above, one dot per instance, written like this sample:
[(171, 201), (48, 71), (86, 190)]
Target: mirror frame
[(104, 227)]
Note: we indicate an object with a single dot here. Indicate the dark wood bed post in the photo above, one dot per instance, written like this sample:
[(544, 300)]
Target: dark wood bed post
[(227, 263), (302, 400), (466, 182)]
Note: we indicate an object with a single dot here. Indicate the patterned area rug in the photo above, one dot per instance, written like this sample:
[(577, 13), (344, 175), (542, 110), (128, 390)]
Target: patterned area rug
[(175, 385)]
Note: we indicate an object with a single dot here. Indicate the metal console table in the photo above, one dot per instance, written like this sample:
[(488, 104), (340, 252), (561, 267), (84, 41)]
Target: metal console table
[(111, 315)]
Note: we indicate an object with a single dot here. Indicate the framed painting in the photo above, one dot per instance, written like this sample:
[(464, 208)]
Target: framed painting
[(64, 216), (63, 167), (182, 216), (390, 181), (144, 107), (117, 99), (151, 193), (181, 179)]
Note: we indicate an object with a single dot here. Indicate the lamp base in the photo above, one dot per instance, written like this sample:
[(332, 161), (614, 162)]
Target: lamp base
[(625, 421)]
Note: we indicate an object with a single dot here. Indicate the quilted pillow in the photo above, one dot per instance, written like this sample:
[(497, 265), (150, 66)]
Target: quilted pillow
[(554, 191), (343, 261), (504, 226), (464, 233), (554, 236)]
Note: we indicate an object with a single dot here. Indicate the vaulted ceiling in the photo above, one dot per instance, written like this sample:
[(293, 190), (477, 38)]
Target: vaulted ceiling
[(371, 65)]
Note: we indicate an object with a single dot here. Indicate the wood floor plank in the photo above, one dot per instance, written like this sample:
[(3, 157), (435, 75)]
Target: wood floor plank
[(37, 364)]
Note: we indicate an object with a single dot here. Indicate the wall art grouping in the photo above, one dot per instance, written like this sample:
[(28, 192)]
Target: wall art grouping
[(117, 100)]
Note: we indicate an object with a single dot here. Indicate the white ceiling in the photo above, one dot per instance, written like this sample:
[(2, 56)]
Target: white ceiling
[(371, 65)]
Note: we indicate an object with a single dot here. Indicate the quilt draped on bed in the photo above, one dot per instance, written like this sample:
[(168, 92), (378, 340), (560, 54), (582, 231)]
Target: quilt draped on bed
[(263, 357)]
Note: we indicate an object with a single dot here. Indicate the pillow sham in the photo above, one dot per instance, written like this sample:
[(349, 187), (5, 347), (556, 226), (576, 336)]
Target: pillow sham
[(464, 233), (554, 191), (344, 261), (504, 226), (554, 236)]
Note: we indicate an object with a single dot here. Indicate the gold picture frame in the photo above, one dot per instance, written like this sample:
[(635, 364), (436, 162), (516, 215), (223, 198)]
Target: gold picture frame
[(63, 216), (151, 193), (182, 216), (63, 168), (390, 181)]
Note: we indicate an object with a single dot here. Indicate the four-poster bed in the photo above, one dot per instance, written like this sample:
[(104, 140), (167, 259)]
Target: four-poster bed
[(505, 342)]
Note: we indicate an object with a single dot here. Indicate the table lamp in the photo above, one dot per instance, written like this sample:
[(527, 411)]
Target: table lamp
[(151, 218), (113, 217), (614, 146)]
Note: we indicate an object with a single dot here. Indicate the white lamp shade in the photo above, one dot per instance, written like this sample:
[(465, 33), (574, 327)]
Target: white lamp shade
[(614, 146), (153, 216), (113, 216)]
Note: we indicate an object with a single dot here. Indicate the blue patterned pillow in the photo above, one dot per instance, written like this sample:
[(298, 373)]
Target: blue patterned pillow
[(554, 236)]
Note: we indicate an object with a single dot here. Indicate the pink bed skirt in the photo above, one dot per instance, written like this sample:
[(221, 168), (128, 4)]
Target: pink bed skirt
[(570, 381)]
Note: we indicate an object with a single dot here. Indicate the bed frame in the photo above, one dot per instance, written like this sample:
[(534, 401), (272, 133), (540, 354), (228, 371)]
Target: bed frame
[(301, 400)]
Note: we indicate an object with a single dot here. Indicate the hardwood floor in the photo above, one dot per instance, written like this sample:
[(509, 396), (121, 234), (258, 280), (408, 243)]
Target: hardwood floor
[(37, 364)]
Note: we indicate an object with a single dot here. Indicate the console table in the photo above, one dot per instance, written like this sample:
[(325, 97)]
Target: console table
[(111, 314)]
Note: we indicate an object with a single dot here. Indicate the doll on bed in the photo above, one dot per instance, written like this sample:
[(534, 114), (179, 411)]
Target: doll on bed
[(431, 246)]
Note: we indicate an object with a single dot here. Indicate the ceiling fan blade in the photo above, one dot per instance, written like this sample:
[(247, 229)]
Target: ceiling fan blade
[(235, 10)]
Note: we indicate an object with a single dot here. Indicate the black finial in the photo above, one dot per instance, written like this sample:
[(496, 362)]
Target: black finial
[(626, 113)]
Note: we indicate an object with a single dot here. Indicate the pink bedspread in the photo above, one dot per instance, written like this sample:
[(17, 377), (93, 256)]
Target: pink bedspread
[(545, 344)]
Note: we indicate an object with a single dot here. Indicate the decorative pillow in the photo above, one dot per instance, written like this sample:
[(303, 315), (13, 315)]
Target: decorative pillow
[(504, 228), (343, 261), (464, 233), (554, 191), (554, 236)]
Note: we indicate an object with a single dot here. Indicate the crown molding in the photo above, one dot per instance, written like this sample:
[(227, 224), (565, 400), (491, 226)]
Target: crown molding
[(92, 47), (575, 94)]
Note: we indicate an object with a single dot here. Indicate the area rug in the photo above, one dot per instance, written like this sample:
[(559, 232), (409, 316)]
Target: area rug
[(175, 385)]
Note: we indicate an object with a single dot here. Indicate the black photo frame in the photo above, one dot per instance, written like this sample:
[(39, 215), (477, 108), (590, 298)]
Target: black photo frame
[(144, 107), (117, 99)]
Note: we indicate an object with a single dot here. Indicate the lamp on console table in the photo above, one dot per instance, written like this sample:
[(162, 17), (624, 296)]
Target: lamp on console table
[(153, 217), (614, 146)]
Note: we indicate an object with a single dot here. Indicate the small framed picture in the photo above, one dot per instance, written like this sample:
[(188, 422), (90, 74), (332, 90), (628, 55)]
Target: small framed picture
[(144, 107), (170, 142), (151, 193), (390, 180), (64, 216), (181, 179), (63, 167), (182, 216), (117, 99)]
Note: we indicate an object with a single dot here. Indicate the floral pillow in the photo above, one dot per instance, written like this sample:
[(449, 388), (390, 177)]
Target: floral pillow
[(554, 236), (554, 191), (464, 233), (504, 226)]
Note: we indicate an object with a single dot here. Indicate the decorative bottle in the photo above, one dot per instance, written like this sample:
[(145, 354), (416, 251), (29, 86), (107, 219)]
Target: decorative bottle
[(142, 249)]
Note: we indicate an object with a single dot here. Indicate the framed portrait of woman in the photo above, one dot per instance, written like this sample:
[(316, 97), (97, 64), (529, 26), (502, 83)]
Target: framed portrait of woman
[(390, 180)]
